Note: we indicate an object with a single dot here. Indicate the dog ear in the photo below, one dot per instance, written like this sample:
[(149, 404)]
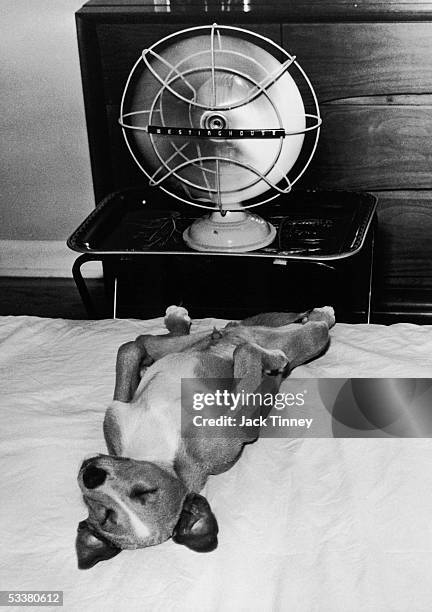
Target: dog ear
[(92, 548), (197, 527)]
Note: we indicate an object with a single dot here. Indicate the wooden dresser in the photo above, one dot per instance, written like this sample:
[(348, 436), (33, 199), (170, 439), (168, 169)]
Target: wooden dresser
[(370, 62)]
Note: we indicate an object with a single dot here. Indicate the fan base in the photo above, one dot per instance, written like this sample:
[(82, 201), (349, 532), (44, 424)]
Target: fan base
[(236, 232)]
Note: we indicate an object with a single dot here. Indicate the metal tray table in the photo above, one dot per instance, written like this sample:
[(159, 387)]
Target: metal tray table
[(321, 227)]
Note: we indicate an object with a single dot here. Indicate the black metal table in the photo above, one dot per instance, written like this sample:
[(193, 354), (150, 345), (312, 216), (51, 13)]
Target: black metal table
[(320, 228)]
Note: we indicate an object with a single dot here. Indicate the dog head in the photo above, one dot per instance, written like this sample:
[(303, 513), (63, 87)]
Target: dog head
[(135, 504)]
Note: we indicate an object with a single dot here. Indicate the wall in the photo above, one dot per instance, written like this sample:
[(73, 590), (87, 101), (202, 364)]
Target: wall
[(45, 179)]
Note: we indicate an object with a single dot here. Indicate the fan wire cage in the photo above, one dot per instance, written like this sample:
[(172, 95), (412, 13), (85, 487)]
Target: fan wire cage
[(215, 116)]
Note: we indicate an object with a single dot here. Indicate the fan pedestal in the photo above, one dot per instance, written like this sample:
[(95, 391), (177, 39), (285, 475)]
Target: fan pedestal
[(235, 232)]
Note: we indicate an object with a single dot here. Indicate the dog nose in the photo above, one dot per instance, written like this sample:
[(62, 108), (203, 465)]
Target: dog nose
[(93, 477)]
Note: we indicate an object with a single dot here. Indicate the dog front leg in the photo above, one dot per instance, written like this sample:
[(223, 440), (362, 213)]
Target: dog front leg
[(258, 373), (142, 352), (177, 321), (131, 358), (178, 324)]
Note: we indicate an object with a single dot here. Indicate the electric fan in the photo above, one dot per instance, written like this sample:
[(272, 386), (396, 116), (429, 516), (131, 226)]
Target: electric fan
[(216, 117)]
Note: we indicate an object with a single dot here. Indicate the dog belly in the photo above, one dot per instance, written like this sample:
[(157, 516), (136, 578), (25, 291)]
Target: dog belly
[(149, 427), (213, 362)]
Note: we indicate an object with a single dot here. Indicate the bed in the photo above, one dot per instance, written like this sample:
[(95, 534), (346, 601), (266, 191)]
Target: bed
[(305, 524)]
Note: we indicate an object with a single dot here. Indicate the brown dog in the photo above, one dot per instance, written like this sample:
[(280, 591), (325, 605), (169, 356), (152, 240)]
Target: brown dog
[(147, 489)]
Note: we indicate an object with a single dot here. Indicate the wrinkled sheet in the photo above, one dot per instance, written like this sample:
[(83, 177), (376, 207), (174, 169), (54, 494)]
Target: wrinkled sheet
[(305, 525)]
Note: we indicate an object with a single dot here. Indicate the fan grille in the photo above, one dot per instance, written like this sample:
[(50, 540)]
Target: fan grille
[(213, 117)]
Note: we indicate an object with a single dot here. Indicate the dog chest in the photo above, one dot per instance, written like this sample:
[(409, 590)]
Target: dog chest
[(149, 427)]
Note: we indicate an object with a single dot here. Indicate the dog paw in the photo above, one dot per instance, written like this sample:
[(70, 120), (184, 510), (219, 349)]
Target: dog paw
[(274, 361), (177, 320), (326, 313)]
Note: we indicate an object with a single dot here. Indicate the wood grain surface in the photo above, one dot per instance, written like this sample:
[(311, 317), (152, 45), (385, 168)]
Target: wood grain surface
[(289, 10), (404, 252), (347, 59), (368, 147)]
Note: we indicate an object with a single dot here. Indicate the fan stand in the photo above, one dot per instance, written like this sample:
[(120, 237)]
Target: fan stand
[(232, 232)]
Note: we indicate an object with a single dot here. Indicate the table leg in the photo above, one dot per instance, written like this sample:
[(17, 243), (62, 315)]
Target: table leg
[(82, 286)]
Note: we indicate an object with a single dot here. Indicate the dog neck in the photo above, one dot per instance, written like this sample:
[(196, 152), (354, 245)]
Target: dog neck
[(191, 472)]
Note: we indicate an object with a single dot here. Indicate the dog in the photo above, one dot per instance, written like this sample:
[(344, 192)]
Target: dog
[(147, 489)]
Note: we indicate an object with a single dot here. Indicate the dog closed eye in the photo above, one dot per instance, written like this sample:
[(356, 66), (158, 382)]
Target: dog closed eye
[(143, 494)]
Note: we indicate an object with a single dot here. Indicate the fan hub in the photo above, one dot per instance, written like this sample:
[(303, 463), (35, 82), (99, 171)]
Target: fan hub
[(213, 121)]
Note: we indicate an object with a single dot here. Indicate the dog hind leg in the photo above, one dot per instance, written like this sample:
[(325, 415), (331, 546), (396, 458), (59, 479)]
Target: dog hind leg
[(273, 319), (280, 319), (300, 343)]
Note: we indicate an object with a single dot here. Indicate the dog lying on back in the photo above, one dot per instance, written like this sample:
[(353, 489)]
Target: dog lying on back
[(146, 489)]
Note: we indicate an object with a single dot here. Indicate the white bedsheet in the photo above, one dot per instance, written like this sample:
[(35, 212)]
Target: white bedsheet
[(305, 525)]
